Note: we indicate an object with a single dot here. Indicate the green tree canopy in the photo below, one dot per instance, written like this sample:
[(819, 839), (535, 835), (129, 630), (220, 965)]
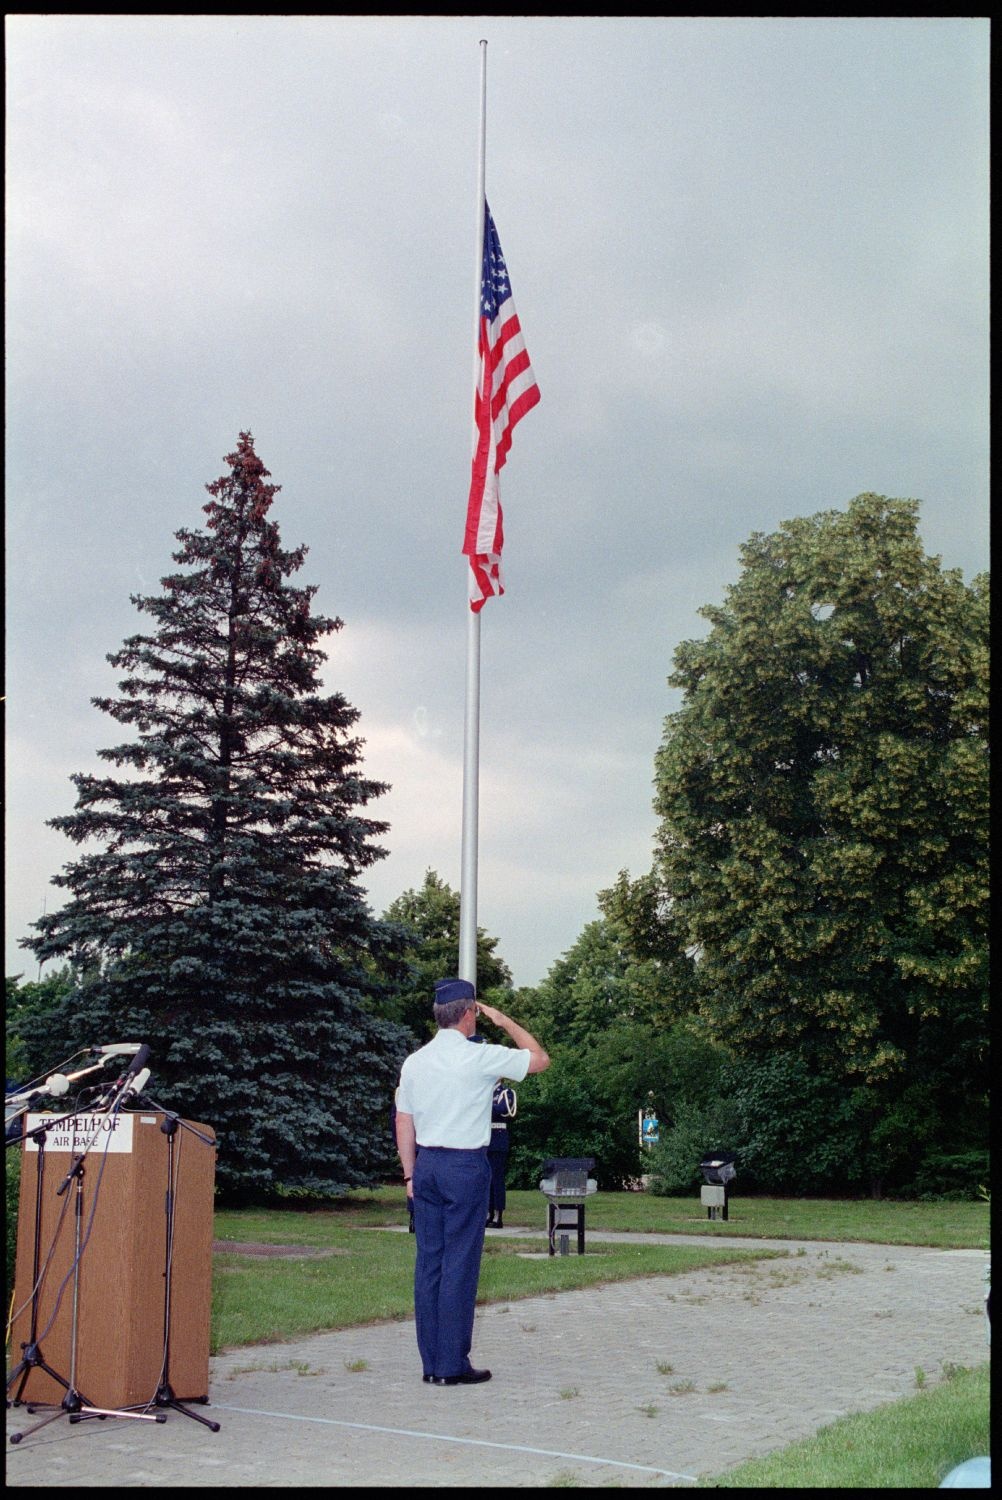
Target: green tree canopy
[(30, 999), (428, 920), (607, 1013), (217, 913), (585, 991), (823, 803)]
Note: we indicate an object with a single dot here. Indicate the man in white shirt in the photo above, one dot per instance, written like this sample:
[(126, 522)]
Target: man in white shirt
[(443, 1128)]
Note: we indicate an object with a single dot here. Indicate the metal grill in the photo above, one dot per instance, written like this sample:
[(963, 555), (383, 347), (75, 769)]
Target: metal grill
[(718, 1173), (566, 1185)]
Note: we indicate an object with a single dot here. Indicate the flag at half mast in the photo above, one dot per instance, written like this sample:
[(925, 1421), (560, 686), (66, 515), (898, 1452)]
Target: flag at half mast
[(506, 390)]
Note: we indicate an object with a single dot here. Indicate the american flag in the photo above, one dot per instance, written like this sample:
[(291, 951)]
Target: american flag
[(506, 390)]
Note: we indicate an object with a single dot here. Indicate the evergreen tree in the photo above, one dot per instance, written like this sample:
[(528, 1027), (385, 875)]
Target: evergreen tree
[(217, 915), (824, 816)]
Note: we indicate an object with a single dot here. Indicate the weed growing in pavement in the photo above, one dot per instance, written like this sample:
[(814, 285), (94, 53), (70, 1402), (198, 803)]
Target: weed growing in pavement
[(300, 1366), (838, 1268)]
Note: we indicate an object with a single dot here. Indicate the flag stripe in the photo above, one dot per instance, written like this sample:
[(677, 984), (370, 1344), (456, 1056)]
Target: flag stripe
[(506, 389)]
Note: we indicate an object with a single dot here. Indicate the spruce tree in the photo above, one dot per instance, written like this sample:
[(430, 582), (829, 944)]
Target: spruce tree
[(217, 914)]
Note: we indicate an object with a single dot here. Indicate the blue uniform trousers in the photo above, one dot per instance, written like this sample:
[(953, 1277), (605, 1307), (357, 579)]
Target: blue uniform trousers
[(497, 1160), (450, 1201)]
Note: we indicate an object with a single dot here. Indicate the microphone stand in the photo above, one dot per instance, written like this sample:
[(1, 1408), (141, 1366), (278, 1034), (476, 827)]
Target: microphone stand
[(32, 1357), (165, 1395)]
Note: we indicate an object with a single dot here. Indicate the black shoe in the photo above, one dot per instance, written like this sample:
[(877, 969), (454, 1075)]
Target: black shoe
[(428, 1379), (490, 1223), (468, 1377), (498, 1224)]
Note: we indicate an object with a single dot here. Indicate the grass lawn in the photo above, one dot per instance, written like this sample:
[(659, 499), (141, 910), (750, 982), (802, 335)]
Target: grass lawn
[(952, 1225), (910, 1444), (329, 1275), (329, 1269)]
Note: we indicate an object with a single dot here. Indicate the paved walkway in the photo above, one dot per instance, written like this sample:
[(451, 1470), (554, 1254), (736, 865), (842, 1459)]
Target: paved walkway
[(759, 1355)]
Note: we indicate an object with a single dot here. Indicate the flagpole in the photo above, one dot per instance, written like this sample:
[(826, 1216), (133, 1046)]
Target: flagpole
[(471, 737)]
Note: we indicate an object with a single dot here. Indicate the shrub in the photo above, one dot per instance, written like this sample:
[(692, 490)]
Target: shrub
[(673, 1164), (953, 1175), (562, 1114)]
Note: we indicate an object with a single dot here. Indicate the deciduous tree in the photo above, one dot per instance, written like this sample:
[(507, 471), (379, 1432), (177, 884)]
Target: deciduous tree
[(823, 797), (428, 920)]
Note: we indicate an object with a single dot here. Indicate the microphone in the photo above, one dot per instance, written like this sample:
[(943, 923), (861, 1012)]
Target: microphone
[(58, 1084), (16, 1105), (137, 1064), (136, 1086), (131, 1081)]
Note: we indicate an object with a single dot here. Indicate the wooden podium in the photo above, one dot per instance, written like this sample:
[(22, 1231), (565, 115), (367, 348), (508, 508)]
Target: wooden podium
[(121, 1202)]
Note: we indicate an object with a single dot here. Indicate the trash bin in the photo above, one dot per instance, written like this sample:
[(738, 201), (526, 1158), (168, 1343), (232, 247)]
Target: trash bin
[(718, 1173), (566, 1185), (973, 1474)]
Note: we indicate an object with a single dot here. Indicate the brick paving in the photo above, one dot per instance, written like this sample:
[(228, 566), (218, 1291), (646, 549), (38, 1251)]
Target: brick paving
[(752, 1358)]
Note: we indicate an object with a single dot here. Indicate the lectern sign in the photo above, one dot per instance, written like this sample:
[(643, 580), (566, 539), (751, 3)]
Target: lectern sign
[(98, 1132)]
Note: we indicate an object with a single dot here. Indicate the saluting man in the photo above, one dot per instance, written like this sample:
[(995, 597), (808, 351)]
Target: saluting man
[(443, 1128)]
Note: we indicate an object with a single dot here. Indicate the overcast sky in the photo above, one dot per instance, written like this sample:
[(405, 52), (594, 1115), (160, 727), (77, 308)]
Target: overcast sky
[(750, 257)]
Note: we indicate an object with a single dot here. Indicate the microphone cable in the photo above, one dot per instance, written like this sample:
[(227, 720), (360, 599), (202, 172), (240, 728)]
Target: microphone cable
[(57, 1230), (15, 1313)]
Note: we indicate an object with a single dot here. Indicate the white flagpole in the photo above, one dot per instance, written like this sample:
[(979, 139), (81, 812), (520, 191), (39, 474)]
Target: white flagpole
[(471, 744)]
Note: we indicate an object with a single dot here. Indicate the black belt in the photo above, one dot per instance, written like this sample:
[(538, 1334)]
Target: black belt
[(450, 1148)]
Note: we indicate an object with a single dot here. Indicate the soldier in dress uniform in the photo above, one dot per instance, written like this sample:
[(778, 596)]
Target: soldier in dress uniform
[(503, 1108)]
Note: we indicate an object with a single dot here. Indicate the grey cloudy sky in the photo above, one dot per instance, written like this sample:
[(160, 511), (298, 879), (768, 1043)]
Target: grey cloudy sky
[(750, 256)]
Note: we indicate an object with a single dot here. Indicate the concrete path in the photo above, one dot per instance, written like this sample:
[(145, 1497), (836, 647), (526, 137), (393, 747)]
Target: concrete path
[(751, 1358)]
